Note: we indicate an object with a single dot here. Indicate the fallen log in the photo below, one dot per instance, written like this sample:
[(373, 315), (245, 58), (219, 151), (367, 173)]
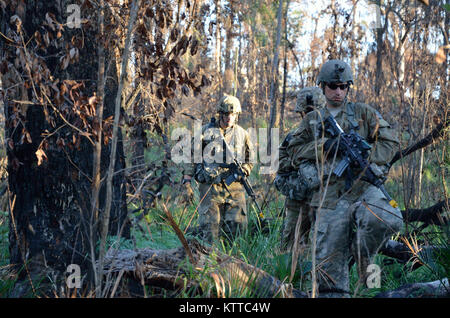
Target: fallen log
[(397, 250), (172, 270), (415, 255), (431, 215), (435, 289), (402, 253)]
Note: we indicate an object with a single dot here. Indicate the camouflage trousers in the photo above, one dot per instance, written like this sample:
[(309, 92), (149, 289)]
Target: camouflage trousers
[(293, 210), (222, 212), (357, 227)]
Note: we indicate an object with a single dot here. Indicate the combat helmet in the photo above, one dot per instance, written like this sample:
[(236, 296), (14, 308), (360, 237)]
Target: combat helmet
[(309, 98), (229, 104), (335, 71)]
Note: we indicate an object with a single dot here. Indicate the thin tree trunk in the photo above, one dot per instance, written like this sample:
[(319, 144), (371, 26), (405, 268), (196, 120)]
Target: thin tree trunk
[(274, 119), (218, 49), (109, 182), (251, 71), (274, 114), (229, 73), (285, 67), (380, 50), (98, 143)]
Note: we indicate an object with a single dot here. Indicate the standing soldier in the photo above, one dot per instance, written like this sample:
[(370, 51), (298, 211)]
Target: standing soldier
[(355, 217), (296, 184), (223, 209)]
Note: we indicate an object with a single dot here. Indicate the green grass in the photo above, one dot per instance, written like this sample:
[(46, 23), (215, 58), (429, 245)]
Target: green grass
[(6, 281), (262, 248)]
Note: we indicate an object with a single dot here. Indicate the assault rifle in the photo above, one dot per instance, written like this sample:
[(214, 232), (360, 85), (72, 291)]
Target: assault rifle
[(354, 150), (238, 174)]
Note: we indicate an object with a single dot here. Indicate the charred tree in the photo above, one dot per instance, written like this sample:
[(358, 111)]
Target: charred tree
[(49, 76)]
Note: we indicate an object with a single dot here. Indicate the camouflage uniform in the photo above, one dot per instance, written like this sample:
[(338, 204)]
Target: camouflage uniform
[(222, 207), (296, 187), (356, 221)]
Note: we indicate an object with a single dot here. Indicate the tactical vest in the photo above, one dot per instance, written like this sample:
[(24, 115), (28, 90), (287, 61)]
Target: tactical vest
[(350, 110)]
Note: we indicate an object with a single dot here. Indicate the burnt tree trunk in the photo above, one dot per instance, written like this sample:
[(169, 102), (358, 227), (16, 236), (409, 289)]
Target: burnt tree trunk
[(50, 198)]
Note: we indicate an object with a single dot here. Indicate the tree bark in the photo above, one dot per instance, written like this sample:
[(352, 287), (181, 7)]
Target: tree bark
[(50, 212)]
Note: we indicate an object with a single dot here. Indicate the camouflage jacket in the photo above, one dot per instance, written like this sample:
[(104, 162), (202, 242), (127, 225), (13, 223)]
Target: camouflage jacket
[(307, 143), (214, 156), (284, 163)]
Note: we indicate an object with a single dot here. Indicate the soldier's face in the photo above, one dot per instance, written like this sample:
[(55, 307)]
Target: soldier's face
[(336, 93), (227, 120)]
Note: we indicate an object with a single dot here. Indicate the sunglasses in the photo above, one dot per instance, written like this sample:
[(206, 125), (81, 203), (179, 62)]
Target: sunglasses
[(334, 86)]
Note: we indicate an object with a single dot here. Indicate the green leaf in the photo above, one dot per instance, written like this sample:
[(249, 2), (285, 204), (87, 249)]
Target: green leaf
[(446, 7)]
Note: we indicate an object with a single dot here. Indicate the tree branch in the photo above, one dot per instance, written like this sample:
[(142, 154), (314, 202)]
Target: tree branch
[(434, 135)]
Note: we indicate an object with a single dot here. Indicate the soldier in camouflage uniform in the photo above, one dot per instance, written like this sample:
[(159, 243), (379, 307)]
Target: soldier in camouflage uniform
[(297, 184), (350, 221), (223, 209)]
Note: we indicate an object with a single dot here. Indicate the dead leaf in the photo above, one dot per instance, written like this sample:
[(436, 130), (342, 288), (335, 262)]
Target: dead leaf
[(440, 55), (50, 20), (93, 100), (17, 21), (40, 155), (60, 142), (65, 62), (28, 137), (73, 51), (11, 144)]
